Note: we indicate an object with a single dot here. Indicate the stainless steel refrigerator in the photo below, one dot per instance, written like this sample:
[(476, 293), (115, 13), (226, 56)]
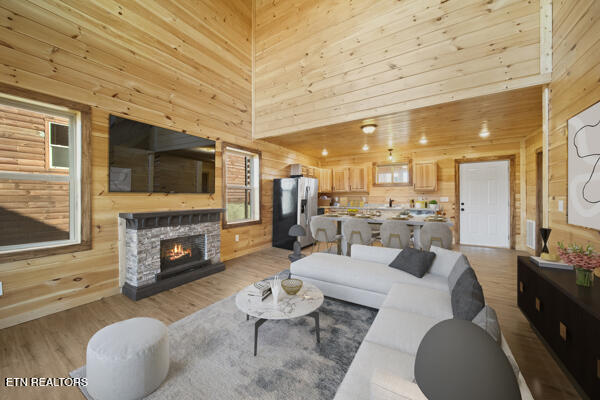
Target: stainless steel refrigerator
[(294, 202)]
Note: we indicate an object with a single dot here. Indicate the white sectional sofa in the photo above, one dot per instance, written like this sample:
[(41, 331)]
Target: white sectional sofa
[(383, 367)]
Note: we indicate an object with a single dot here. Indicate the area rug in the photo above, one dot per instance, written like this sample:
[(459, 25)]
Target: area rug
[(212, 354)]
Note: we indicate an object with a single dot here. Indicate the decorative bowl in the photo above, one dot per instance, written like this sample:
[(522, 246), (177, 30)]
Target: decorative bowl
[(291, 286)]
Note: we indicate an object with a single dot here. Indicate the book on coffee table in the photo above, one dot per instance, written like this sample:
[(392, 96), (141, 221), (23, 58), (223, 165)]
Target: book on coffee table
[(260, 289), (550, 264)]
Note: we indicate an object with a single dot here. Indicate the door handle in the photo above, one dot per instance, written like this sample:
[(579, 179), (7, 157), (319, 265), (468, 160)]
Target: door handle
[(462, 209)]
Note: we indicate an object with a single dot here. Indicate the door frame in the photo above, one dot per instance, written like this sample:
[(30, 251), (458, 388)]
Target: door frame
[(539, 196), (511, 158)]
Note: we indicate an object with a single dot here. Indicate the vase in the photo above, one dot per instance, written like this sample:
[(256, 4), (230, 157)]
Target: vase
[(584, 277), (545, 235)]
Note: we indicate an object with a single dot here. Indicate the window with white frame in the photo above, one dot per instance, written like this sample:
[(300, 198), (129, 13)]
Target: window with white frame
[(392, 174), (241, 176), (58, 145), (40, 175)]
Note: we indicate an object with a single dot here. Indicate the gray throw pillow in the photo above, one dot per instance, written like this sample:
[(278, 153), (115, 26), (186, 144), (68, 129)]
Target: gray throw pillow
[(460, 266), (467, 296), (415, 262), (488, 320)]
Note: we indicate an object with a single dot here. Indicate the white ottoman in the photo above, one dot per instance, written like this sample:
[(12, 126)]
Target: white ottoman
[(127, 360)]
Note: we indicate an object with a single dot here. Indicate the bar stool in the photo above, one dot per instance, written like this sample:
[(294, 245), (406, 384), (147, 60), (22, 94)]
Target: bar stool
[(395, 234), (438, 232), (355, 231), (324, 231)]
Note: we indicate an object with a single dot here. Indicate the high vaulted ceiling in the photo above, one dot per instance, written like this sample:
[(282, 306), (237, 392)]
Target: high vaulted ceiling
[(509, 116)]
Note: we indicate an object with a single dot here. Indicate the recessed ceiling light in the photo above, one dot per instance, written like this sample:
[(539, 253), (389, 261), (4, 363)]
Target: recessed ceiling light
[(423, 140), (324, 152), (368, 128), (484, 130), (366, 147)]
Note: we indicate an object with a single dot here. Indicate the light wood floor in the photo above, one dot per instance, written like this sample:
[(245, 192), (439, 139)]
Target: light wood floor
[(54, 345)]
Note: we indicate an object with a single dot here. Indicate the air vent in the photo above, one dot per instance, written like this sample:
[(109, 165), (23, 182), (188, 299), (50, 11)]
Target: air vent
[(531, 234)]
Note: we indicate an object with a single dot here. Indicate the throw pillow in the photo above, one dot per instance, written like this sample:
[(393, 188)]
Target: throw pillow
[(467, 296), (460, 266), (415, 262), (488, 320)]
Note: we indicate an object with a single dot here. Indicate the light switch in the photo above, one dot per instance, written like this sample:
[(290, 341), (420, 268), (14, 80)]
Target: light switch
[(237, 238), (561, 205), (1, 292), (443, 199)]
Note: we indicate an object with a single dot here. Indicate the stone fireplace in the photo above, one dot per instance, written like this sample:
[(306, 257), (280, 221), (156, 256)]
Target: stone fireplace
[(161, 250)]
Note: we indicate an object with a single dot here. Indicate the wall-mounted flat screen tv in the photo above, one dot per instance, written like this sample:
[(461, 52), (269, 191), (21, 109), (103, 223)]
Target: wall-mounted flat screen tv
[(149, 159)]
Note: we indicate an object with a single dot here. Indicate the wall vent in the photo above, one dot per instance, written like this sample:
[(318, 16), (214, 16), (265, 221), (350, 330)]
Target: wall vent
[(531, 234)]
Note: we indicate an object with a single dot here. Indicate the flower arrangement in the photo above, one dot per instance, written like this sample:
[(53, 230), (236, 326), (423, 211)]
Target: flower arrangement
[(579, 256), (583, 259)]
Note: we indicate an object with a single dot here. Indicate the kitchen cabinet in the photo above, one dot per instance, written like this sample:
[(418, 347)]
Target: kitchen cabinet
[(425, 176), (324, 175), (358, 179), (340, 180)]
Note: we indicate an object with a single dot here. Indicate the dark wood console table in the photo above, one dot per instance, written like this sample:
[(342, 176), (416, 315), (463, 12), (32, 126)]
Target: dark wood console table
[(567, 317)]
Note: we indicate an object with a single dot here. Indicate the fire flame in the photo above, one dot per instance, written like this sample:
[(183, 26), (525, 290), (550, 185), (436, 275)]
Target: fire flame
[(177, 252)]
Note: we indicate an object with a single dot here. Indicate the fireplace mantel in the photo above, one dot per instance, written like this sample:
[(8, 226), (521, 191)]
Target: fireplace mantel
[(150, 220)]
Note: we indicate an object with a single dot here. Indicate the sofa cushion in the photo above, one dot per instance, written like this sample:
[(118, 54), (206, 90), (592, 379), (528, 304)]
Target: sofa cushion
[(359, 274), (400, 330), (444, 260), (415, 262), (459, 267), (488, 320), (372, 356), (387, 386), (426, 301), (467, 296), (381, 255)]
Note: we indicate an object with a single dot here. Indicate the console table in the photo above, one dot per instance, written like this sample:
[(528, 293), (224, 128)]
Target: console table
[(566, 317)]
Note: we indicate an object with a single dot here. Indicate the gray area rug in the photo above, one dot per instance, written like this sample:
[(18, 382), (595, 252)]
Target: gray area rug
[(212, 354)]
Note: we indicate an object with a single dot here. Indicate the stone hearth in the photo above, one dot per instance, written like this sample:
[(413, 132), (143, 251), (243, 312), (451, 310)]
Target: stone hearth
[(140, 235)]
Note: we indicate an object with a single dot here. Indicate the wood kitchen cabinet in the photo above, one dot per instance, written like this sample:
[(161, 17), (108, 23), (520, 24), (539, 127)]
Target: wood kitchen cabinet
[(425, 176), (340, 180), (358, 179), (324, 180)]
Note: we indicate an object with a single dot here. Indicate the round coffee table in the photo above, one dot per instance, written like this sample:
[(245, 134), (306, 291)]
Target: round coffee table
[(304, 303)]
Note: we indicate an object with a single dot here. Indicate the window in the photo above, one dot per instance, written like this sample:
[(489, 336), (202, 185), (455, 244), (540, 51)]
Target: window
[(392, 174), (241, 177), (58, 150), (43, 209)]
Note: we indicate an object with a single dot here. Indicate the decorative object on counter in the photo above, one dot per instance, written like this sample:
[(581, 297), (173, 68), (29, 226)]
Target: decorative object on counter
[(352, 212), (545, 235), (433, 204), (275, 288), (583, 259), (550, 263), (291, 286), (297, 231), (420, 204)]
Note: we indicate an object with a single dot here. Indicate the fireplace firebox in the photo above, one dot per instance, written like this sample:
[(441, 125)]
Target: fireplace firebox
[(181, 253)]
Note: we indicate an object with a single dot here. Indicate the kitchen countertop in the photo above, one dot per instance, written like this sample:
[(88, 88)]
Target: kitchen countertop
[(378, 208), (415, 221)]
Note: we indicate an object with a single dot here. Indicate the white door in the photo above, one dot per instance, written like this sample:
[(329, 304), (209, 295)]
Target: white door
[(485, 203)]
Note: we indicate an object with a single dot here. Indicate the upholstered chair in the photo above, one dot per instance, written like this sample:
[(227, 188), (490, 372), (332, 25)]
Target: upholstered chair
[(436, 233), (355, 231), (395, 234), (324, 230)]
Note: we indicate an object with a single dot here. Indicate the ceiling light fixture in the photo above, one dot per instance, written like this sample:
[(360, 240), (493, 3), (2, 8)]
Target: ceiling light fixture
[(390, 157), (484, 131), (324, 152), (366, 147), (368, 128), (423, 140)]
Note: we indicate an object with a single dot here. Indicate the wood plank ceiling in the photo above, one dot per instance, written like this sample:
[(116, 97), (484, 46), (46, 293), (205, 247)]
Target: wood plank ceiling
[(509, 116), (319, 63)]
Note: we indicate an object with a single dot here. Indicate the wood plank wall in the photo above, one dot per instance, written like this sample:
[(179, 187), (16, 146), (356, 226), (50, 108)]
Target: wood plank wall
[(155, 62), (575, 86), (533, 144), (446, 173), (319, 63)]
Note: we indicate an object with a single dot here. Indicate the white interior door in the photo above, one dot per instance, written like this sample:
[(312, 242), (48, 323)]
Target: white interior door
[(485, 203)]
